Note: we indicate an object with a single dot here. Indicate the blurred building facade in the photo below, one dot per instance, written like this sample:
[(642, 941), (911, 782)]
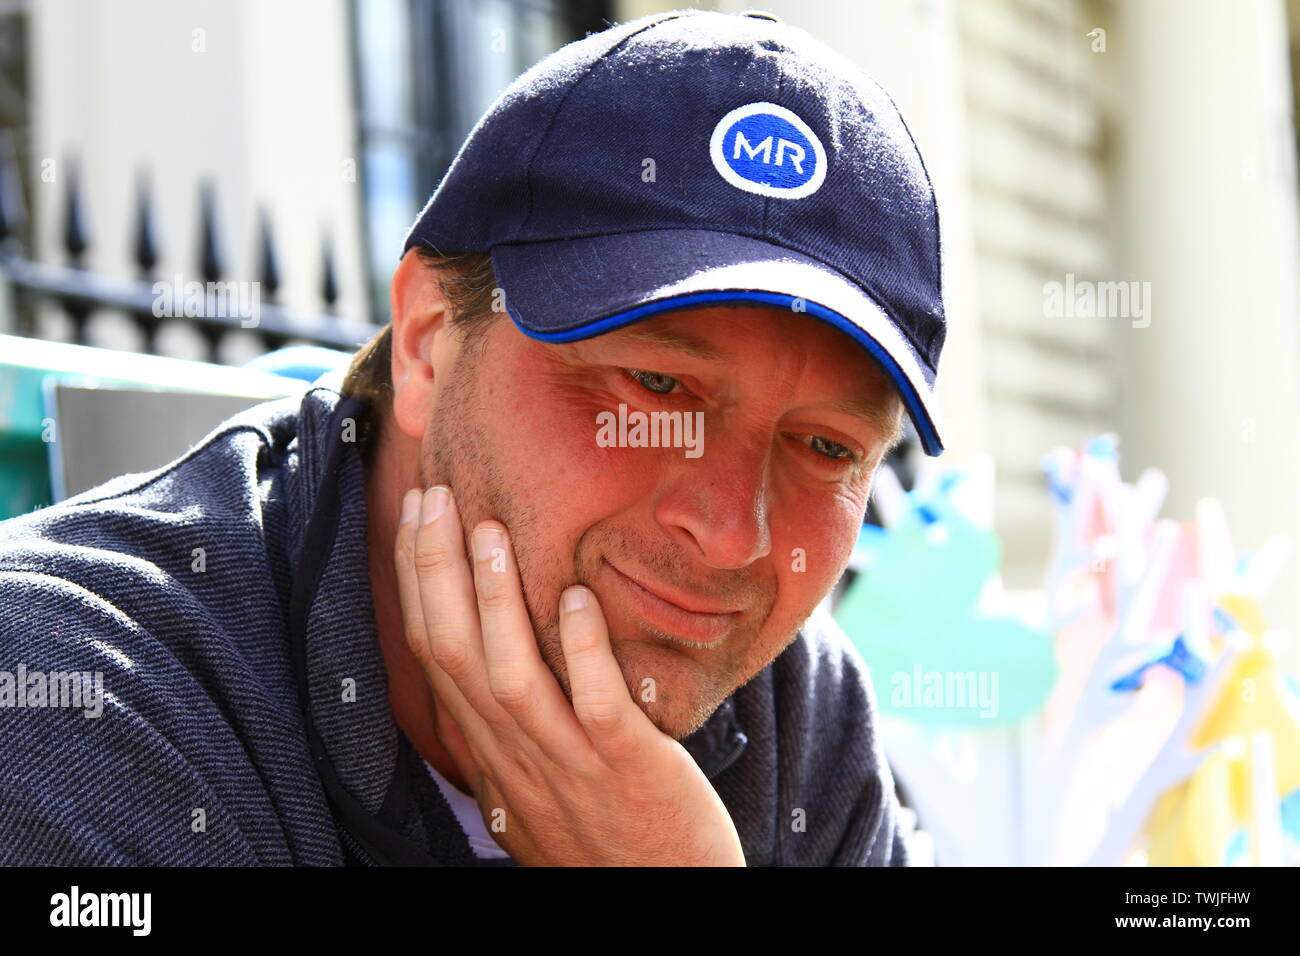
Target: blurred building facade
[(1149, 144), (1146, 147)]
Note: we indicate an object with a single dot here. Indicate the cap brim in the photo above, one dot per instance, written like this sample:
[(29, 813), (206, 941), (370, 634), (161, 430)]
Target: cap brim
[(570, 289)]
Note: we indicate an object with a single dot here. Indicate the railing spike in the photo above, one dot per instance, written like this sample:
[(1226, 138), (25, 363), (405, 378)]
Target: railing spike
[(329, 287), (6, 225), (13, 213), (268, 267), (75, 239), (75, 242), (14, 226), (146, 237), (146, 255), (210, 266)]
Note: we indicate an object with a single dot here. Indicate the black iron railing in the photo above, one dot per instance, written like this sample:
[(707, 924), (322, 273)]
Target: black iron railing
[(81, 292)]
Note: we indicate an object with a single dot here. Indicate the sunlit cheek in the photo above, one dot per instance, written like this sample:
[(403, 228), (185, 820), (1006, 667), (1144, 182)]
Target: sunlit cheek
[(815, 543), (558, 450)]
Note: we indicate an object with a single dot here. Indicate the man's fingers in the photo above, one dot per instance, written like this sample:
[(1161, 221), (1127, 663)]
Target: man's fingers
[(518, 678), (418, 636), (408, 587), (468, 625), (447, 600), (613, 721)]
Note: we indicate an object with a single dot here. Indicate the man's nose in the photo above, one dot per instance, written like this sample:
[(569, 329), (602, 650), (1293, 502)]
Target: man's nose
[(719, 503)]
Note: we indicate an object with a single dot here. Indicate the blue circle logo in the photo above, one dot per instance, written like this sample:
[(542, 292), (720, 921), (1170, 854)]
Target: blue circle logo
[(764, 148)]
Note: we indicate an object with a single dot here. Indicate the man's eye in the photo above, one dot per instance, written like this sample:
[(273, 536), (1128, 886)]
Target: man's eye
[(830, 449), (653, 381)]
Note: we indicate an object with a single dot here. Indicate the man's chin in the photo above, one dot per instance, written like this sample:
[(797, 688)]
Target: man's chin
[(675, 724), (670, 688), (677, 692)]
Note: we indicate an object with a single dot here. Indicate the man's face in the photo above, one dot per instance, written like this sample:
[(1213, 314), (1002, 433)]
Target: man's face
[(707, 559)]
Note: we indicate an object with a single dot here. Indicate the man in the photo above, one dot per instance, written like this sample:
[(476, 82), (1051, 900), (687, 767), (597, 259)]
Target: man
[(543, 582)]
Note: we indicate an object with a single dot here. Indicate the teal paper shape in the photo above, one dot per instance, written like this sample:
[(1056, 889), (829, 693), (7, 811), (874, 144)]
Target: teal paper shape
[(912, 615)]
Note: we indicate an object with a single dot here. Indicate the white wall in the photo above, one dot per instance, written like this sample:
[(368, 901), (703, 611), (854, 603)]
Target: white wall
[(1165, 159)]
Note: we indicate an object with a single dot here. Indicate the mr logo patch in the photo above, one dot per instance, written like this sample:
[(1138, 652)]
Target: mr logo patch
[(766, 149)]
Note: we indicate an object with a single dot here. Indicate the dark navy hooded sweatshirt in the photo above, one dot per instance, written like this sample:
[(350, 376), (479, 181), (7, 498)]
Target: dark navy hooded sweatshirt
[(225, 600)]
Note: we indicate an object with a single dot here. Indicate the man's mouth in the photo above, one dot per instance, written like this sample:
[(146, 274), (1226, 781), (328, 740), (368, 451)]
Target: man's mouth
[(692, 619)]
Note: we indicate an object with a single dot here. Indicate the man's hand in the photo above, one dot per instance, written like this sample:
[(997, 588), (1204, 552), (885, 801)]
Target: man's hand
[(592, 783)]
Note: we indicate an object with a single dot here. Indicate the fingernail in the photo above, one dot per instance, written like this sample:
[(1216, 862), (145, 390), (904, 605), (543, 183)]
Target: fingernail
[(486, 540), (435, 503), (575, 599), (410, 505)]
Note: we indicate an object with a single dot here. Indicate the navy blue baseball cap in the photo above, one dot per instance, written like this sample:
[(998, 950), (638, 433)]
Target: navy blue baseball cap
[(694, 158)]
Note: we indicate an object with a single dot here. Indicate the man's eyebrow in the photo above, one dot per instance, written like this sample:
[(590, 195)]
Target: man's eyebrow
[(878, 415), (674, 339)]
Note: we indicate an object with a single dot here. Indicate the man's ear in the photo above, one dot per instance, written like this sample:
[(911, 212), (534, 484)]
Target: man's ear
[(420, 312)]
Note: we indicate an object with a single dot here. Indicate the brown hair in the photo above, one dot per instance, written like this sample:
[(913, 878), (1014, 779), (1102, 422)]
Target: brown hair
[(469, 285)]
